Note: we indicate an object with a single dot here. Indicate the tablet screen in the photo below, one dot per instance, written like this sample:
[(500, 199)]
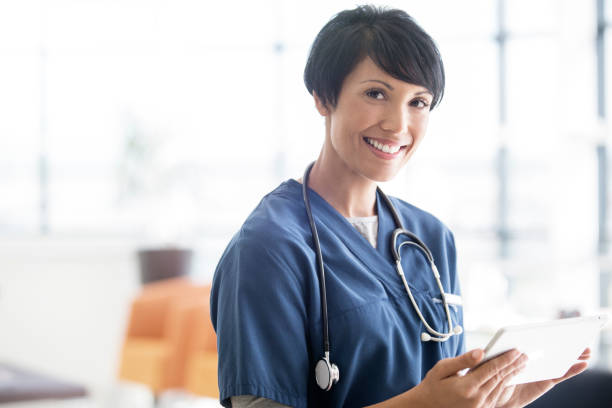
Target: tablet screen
[(552, 347)]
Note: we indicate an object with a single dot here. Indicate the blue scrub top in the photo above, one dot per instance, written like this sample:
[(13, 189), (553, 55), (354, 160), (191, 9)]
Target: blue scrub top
[(266, 307)]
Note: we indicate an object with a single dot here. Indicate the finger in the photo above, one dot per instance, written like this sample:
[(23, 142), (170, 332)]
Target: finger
[(502, 387), (505, 395), (574, 370), (496, 393), (493, 394), (586, 354), (504, 374), (451, 366), (491, 368)]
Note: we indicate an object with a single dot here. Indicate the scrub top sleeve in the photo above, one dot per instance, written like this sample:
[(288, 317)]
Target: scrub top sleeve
[(249, 401), (259, 311)]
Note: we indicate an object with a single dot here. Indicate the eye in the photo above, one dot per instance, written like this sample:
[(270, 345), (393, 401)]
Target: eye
[(420, 103), (375, 94)]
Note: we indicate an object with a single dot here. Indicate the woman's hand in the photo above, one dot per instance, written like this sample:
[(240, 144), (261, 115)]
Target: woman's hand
[(482, 387), (523, 394)]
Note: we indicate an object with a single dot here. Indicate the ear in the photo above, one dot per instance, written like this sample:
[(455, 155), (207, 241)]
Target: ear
[(321, 107)]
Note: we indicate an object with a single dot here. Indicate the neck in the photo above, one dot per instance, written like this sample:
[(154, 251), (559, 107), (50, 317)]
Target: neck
[(350, 193)]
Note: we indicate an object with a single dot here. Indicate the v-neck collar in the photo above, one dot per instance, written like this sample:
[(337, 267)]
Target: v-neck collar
[(386, 225), (375, 258)]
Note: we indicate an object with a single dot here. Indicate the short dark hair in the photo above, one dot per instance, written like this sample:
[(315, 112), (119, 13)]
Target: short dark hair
[(390, 37)]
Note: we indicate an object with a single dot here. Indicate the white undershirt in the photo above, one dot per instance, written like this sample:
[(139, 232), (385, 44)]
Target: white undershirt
[(367, 226)]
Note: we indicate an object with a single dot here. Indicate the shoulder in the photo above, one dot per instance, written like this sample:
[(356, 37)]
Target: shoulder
[(419, 220), (277, 227), (279, 216), (272, 242)]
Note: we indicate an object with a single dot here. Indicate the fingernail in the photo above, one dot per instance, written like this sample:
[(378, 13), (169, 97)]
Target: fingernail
[(476, 354)]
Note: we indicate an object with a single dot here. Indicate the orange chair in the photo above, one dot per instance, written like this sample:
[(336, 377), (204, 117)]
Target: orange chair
[(201, 366), (160, 333)]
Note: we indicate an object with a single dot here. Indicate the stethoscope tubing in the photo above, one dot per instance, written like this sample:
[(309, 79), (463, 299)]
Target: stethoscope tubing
[(320, 265), (332, 373)]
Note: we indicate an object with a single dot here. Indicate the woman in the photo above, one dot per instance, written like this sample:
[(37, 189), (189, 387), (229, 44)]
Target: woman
[(375, 75)]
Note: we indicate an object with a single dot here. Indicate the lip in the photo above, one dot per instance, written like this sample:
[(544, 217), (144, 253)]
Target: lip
[(383, 155), (385, 141)]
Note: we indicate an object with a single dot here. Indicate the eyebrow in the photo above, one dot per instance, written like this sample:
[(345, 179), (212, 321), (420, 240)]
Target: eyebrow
[(379, 81), (391, 88)]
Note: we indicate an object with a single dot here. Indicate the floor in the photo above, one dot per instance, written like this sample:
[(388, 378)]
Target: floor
[(123, 395)]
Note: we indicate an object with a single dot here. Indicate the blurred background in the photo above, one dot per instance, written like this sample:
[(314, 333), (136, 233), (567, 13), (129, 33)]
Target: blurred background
[(135, 127)]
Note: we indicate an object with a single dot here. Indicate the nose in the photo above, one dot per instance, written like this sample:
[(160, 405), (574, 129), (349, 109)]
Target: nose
[(396, 119)]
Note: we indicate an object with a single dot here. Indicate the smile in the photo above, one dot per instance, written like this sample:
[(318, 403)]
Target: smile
[(383, 147)]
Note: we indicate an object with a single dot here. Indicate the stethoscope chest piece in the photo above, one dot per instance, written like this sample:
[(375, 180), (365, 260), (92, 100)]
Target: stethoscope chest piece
[(326, 374)]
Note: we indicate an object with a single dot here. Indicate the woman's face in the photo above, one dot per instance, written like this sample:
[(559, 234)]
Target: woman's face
[(377, 123)]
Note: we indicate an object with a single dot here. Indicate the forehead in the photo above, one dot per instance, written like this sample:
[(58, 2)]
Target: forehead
[(367, 70)]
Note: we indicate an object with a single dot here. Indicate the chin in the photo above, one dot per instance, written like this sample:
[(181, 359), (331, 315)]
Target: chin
[(381, 176), (382, 179)]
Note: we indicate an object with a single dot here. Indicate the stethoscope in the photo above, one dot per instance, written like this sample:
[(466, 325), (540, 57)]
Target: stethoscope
[(327, 373)]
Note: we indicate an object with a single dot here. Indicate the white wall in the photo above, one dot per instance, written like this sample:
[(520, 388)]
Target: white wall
[(64, 305)]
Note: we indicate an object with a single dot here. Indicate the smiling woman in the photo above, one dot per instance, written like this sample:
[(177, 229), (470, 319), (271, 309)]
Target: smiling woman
[(377, 115), (306, 300)]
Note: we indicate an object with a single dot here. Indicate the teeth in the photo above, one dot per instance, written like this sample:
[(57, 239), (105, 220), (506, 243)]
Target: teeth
[(382, 147)]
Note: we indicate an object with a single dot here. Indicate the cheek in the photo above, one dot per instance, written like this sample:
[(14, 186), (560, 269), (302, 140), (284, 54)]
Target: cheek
[(418, 131), (420, 127), (350, 122)]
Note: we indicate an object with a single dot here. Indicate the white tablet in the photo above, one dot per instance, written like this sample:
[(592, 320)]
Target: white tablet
[(552, 347)]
